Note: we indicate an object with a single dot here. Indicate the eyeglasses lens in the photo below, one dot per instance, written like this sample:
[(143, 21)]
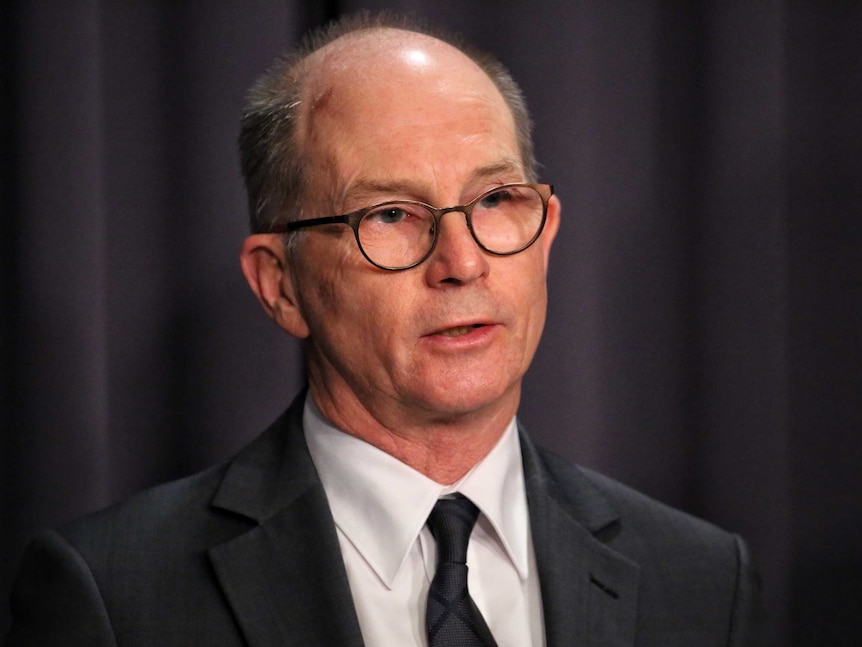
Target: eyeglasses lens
[(505, 221)]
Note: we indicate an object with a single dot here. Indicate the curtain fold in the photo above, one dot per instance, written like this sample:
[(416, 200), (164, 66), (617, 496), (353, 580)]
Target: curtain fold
[(703, 338)]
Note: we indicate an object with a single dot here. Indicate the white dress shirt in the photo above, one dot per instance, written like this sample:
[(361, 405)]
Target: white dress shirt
[(380, 506)]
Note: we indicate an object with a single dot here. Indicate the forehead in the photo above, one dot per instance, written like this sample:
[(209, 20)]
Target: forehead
[(394, 102)]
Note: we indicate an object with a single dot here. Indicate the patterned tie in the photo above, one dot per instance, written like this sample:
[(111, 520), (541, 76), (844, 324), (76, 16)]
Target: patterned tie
[(452, 618)]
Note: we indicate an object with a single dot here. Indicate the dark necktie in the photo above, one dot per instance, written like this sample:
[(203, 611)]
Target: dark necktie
[(452, 618)]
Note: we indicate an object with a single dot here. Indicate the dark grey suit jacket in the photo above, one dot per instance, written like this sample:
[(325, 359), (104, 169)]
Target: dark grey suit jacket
[(247, 554)]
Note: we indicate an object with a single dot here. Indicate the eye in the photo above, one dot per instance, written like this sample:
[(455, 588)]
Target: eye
[(494, 199), (397, 214), (389, 215), (393, 215)]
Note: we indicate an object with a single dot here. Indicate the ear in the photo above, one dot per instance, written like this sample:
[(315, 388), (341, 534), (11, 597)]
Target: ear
[(552, 224), (267, 271)]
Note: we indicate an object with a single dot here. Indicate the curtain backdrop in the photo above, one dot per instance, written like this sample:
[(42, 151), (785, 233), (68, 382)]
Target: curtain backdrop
[(703, 340)]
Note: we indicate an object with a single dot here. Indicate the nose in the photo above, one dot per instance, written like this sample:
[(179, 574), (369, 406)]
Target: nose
[(457, 258)]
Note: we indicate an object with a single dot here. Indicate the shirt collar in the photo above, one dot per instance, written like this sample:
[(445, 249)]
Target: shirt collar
[(381, 504)]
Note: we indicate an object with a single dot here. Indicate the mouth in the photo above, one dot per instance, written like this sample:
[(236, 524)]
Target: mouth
[(459, 331)]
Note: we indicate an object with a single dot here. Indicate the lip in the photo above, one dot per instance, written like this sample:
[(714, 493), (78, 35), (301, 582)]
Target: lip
[(466, 326), (458, 331), (461, 335)]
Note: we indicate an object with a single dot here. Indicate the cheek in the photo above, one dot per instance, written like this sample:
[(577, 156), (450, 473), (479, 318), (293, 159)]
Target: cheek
[(534, 301), (533, 268), (354, 311), (322, 273)]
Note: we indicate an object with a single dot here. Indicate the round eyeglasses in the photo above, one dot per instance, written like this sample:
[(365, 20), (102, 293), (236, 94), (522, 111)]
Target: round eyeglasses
[(401, 234)]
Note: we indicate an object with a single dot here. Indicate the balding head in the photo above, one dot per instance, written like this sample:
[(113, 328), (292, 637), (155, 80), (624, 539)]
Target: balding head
[(390, 87), (359, 59)]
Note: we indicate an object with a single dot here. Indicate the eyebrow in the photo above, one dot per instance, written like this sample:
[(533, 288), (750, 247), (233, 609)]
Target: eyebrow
[(368, 187)]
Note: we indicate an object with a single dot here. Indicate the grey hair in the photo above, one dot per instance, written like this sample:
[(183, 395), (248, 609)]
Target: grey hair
[(272, 160)]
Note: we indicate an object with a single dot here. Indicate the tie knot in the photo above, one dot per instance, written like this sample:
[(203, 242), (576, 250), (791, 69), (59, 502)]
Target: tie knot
[(451, 522)]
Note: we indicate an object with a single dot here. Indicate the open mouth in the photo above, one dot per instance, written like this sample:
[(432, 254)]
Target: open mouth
[(458, 331)]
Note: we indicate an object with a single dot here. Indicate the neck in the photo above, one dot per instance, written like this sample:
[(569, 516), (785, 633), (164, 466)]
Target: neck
[(442, 447)]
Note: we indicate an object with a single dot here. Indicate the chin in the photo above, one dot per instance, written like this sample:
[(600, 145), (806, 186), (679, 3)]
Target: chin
[(458, 400)]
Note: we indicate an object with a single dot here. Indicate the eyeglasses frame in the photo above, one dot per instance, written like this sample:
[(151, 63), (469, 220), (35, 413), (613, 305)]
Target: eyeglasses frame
[(353, 219)]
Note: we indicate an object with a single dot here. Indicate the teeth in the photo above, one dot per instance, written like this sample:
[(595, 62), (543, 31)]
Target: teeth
[(457, 332)]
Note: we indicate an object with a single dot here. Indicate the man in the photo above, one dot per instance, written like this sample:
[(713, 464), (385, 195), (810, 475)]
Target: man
[(419, 323)]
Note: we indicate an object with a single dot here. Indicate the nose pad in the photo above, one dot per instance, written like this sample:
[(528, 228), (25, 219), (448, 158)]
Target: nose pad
[(459, 219), (437, 223), (457, 257)]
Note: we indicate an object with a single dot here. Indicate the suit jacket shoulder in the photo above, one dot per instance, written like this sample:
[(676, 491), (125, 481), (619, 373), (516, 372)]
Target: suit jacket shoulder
[(244, 553), (633, 570)]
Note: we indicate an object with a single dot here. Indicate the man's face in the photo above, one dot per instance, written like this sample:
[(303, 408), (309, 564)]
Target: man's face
[(453, 336)]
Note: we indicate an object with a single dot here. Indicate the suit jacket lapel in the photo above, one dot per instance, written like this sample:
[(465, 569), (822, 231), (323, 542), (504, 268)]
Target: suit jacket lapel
[(284, 578), (589, 592)]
